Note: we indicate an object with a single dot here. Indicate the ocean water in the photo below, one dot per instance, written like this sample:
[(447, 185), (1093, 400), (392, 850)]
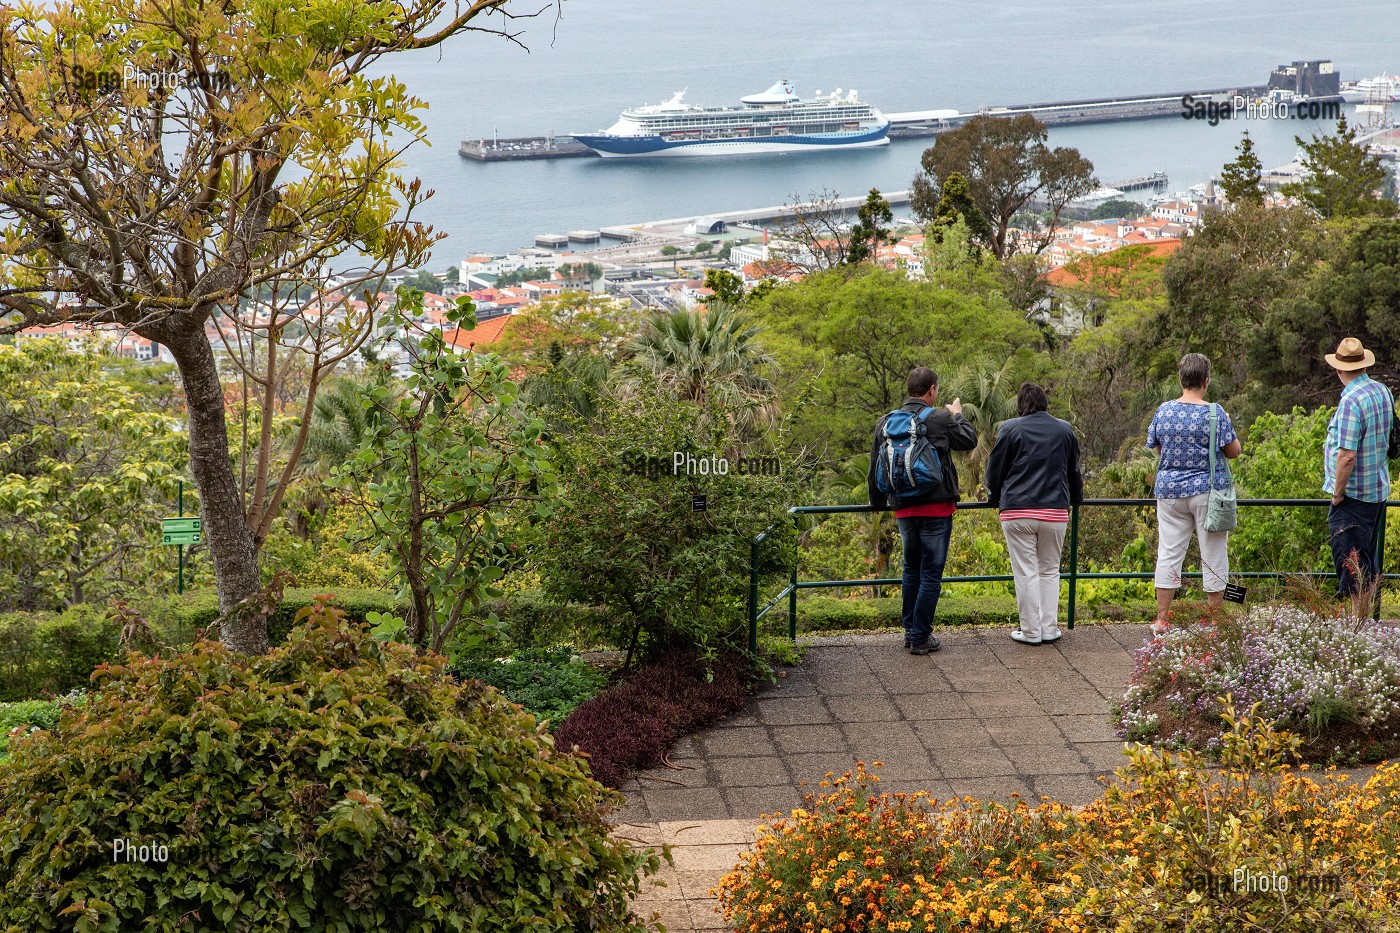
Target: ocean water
[(587, 61)]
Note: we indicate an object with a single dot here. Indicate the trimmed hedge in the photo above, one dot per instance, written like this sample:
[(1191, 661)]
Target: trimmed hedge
[(527, 619), (196, 610), (829, 614), (50, 654), (47, 653)]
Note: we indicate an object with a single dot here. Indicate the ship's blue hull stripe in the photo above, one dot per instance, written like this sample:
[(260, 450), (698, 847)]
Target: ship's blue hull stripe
[(638, 145)]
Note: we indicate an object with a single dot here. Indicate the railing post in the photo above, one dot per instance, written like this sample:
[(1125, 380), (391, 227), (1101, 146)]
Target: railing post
[(753, 597), (792, 582), (1073, 558), (1380, 561)]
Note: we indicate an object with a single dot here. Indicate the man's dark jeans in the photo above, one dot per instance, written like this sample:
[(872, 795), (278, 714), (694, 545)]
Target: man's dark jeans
[(1354, 530), (925, 552)]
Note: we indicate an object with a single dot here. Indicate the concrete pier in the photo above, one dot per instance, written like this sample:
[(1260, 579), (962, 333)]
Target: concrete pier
[(913, 124)]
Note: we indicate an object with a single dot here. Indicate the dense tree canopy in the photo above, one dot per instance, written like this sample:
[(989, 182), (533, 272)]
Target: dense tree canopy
[(87, 469), (1222, 282), (1342, 176), (284, 160), (1357, 294), (847, 344), (1010, 170)]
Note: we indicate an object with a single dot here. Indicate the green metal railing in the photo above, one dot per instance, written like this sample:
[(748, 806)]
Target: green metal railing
[(1072, 576)]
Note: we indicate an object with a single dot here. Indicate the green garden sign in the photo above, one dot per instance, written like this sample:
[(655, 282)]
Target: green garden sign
[(180, 530)]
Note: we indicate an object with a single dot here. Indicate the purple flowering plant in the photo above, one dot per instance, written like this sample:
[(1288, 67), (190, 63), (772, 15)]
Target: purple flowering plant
[(1333, 681)]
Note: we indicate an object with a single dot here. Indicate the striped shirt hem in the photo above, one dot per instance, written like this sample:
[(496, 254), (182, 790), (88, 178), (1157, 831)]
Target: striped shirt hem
[(1044, 515)]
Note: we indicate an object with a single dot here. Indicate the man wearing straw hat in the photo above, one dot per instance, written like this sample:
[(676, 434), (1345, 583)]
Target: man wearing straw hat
[(1357, 474)]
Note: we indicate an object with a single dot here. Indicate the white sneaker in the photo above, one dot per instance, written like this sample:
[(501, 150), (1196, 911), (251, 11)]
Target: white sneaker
[(1053, 636), (1018, 635)]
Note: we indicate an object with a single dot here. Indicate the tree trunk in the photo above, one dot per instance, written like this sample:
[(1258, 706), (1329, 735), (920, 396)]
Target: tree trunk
[(225, 529)]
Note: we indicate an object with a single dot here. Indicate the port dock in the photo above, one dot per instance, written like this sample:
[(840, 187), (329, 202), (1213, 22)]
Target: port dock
[(516, 148), (1066, 113), (759, 216), (910, 125)]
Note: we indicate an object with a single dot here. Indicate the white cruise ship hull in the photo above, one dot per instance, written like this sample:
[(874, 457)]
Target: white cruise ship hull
[(734, 147)]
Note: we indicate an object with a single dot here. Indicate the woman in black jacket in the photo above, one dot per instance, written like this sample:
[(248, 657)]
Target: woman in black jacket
[(1033, 477)]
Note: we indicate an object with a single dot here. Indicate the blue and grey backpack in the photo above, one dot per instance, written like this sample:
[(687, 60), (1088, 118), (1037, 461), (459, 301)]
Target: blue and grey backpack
[(909, 465)]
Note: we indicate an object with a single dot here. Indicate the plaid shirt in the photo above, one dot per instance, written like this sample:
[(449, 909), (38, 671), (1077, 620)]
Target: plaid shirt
[(1362, 424)]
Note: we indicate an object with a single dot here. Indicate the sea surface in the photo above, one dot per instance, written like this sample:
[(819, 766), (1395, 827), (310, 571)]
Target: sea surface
[(586, 60)]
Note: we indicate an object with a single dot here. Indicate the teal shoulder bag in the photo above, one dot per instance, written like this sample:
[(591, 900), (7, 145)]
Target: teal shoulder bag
[(1221, 514)]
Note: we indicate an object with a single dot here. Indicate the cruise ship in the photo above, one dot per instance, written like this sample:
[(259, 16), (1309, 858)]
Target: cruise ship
[(1382, 88), (775, 121)]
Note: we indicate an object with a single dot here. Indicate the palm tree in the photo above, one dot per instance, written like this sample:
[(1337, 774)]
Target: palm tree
[(704, 356), (571, 389), (988, 394), (339, 422), (848, 486)]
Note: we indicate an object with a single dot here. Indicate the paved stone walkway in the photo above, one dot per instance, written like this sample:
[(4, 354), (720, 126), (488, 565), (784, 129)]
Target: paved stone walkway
[(985, 716)]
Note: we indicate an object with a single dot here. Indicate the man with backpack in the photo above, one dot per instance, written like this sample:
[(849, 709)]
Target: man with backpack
[(912, 472)]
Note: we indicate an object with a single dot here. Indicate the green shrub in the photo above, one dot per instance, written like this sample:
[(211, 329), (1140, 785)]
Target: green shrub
[(528, 620), (825, 614), (27, 714), (182, 618), (337, 783), (548, 682), (831, 614), (43, 653)]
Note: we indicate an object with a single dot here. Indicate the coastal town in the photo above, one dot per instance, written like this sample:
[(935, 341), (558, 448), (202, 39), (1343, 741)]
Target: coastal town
[(662, 265)]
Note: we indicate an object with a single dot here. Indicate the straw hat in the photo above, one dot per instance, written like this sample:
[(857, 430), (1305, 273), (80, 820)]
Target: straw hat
[(1351, 355)]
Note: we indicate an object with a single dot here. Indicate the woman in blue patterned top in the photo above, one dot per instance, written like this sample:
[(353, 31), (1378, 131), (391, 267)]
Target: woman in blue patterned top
[(1181, 430)]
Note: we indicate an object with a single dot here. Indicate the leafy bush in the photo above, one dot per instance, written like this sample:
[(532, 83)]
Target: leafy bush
[(1336, 681), (548, 682), (82, 453), (1283, 460), (528, 620), (333, 557), (337, 783), (1171, 845), (184, 617), (630, 538), (629, 726), (19, 718), (44, 653)]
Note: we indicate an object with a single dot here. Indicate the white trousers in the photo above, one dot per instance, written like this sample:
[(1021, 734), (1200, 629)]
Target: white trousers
[(1176, 520), (1034, 547)]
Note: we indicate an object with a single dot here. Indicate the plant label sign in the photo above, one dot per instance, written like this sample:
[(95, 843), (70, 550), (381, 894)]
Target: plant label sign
[(1234, 593), (697, 503)]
